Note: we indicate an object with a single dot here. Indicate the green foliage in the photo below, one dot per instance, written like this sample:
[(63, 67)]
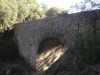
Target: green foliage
[(23, 12), (54, 11), (8, 12), (14, 7), (88, 46), (28, 10), (44, 8), (14, 11)]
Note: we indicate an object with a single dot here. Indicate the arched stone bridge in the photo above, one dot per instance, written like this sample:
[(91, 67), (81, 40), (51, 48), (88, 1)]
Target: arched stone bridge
[(62, 28)]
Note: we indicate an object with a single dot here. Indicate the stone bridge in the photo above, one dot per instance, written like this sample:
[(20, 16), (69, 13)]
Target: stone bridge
[(60, 31)]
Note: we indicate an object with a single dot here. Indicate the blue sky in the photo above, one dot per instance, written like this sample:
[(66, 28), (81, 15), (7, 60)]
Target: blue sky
[(65, 4)]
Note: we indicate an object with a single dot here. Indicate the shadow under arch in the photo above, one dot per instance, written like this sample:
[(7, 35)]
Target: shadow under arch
[(49, 51)]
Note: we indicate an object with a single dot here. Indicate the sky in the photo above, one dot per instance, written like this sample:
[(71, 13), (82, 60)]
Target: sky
[(65, 4)]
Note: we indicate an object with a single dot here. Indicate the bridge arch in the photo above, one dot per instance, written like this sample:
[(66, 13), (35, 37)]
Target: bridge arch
[(50, 48)]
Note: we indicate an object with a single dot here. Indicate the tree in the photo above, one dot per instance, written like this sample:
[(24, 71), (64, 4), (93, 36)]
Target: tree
[(28, 10), (44, 8), (23, 12), (5, 13), (14, 11), (54, 11), (85, 5)]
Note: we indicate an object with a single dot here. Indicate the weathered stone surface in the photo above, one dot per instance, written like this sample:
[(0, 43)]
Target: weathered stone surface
[(65, 27)]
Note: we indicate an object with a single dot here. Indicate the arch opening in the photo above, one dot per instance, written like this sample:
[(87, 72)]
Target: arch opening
[(49, 51)]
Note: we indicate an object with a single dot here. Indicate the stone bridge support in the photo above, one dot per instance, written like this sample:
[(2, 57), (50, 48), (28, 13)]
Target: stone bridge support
[(65, 27)]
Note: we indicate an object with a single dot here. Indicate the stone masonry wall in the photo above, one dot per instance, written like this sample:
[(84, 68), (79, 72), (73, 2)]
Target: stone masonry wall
[(65, 27)]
